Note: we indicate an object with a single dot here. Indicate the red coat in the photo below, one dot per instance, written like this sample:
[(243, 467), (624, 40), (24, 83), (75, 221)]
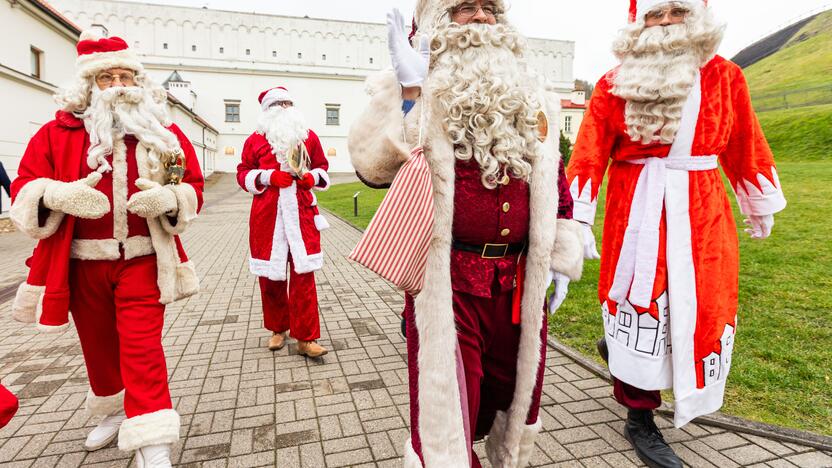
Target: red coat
[(58, 152), (283, 221)]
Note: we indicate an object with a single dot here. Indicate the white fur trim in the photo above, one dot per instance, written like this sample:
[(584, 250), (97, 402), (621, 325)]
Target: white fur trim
[(137, 246), (104, 405), (26, 206), (90, 64), (644, 6), (120, 190), (321, 223), (265, 178), (320, 175), (273, 96), (753, 201), (585, 206), (95, 249), (411, 459), (26, 302), (48, 329), (160, 427), (187, 281), (496, 437), (186, 205), (568, 252), (251, 184)]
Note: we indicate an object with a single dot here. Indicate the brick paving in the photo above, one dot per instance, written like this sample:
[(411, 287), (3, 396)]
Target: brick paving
[(244, 406)]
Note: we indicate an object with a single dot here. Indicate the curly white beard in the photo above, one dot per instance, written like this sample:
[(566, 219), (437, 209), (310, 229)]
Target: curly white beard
[(284, 128), (487, 91), (658, 70), (118, 111)]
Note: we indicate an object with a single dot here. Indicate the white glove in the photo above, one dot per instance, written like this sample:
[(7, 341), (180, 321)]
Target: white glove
[(77, 198), (559, 294), (760, 226), (153, 200), (590, 250), (411, 65)]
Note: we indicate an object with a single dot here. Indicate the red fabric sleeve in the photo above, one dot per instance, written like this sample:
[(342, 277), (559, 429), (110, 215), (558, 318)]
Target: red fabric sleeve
[(249, 161), (317, 157), (193, 171), (595, 142), (36, 162)]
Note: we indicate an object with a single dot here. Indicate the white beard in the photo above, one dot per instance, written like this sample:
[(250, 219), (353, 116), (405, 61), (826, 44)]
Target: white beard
[(658, 70), (487, 92), (118, 111), (284, 128)]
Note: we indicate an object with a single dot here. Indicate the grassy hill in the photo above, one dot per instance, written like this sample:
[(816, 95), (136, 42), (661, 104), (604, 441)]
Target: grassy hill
[(803, 134)]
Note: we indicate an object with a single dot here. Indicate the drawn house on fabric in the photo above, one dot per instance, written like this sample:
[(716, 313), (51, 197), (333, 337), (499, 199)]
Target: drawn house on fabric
[(716, 365), (640, 332)]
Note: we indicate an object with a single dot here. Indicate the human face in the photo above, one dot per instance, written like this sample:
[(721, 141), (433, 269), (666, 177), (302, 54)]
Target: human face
[(672, 14), (476, 12), (115, 77), (283, 104)]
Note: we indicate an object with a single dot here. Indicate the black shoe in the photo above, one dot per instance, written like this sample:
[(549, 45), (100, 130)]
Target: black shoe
[(648, 442), (404, 328), (603, 350)]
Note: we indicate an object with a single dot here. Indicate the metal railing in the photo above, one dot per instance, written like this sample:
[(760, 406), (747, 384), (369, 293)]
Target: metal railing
[(793, 99)]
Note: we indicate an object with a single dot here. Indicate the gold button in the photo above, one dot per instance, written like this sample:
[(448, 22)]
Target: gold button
[(505, 232), (506, 207)]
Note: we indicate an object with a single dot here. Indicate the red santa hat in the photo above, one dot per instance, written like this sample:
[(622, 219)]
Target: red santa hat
[(270, 96), (96, 53), (639, 8)]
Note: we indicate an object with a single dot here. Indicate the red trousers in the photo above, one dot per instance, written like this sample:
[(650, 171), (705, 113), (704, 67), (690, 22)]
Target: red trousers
[(291, 307), (8, 406), (635, 398), (116, 309), (489, 344)]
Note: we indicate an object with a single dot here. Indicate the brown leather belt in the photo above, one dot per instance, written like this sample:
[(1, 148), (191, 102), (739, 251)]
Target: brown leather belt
[(490, 250)]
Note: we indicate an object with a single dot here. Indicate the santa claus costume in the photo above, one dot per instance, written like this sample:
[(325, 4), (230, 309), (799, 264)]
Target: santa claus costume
[(92, 187), (669, 261), (474, 371), (285, 225)]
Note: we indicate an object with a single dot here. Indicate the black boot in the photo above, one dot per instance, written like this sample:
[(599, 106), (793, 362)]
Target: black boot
[(648, 442), (601, 345)]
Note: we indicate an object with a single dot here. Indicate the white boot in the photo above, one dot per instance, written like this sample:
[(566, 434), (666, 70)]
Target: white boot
[(153, 456), (104, 432)]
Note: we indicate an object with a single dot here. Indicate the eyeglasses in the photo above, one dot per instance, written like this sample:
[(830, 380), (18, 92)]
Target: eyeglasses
[(675, 13), (283, 104), (469, 10), (108, 78)]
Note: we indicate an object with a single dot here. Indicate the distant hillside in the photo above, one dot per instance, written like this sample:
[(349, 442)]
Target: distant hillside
[(803, 134), (771, 44)]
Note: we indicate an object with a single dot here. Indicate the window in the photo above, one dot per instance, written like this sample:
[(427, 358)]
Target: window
[(300, 55), (323, 57), (222, 50), (248, 51), (165, 45), (371, 60), (567, 124), (232, 111), (333, 114), (193, 48), (36, 57), (274, 53)]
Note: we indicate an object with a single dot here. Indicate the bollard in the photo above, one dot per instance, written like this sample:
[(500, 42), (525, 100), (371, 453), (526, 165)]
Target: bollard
[(355, 204)]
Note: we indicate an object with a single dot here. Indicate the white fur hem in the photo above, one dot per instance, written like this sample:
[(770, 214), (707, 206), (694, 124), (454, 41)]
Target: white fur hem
[(411, 459), (187, 281), (251, 182), (25, 210), (161, 427), (104, 405), (186, 206), (26, 302), (321, 223), (320, 175), (510, 457), (48, 329), (568, 253)]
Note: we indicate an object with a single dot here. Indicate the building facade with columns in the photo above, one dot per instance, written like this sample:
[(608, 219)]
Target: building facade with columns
[(217, 62)]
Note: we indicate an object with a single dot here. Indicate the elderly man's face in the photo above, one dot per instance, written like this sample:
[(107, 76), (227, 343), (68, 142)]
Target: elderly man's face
[(115, 77), (669, 14), (477, 12)]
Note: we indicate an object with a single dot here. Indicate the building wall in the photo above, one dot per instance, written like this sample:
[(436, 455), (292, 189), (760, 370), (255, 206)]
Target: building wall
[(320, 62), (577, 117)]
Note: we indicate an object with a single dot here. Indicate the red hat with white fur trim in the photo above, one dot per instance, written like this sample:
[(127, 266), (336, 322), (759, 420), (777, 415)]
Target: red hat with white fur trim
[(639, 8), (270, 96), (96, 53)]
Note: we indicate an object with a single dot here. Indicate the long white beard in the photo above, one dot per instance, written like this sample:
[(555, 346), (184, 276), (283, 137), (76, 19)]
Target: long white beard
[(658, 70), (118, 111), (284, 128), (487, 92)]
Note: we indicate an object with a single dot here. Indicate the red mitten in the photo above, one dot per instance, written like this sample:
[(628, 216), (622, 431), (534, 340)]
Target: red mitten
[(280, 179), (306, 182)]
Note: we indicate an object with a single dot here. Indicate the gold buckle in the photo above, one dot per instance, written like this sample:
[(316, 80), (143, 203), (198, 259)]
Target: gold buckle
[(486, 246)]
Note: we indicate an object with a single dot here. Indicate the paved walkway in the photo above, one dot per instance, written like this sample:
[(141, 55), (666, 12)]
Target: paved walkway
[(244, 406)]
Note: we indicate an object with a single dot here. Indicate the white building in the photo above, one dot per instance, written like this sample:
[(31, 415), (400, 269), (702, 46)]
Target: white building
[(224, 59), (572, 114), (39, 55)]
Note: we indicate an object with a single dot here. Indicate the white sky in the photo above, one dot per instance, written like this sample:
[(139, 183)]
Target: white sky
[(592, 24)]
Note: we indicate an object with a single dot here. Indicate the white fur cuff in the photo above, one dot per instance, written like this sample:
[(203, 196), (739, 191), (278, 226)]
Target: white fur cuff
[(187, 281), (321, 223), (320, 175), (26, 302), (568, 254), (265, 178), (25, 210), (104, 405), (186, 206), (161, 427), (251, 182)]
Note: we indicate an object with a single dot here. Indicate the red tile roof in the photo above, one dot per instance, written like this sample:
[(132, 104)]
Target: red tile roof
[(568, 104)]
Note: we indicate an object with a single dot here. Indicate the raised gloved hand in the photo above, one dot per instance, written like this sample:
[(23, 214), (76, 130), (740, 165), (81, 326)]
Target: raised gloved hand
[(759, 226), (77, 198), (153, 201), (590, 249), (411, 65), (306, 182), (559, 294), (281, 179)]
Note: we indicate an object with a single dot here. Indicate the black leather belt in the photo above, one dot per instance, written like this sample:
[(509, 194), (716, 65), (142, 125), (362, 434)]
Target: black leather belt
[(490, 250)]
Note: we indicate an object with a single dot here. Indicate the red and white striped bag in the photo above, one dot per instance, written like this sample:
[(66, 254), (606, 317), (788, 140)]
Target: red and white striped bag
[(395, 244)]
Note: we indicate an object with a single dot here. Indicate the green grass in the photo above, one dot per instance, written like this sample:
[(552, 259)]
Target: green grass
[(781, 367), (803, 134), (339, 200)]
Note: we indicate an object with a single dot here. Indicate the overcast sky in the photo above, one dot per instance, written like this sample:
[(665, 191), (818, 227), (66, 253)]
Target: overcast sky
[(592, 24)]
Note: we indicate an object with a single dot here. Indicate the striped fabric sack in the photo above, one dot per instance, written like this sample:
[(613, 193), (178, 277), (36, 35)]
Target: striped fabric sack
[(395, 244)]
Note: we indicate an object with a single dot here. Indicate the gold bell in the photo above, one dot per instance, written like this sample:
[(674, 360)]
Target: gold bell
[(542, 126)]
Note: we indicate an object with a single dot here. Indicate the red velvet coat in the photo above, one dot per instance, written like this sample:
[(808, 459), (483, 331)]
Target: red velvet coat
[(284, 222)]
